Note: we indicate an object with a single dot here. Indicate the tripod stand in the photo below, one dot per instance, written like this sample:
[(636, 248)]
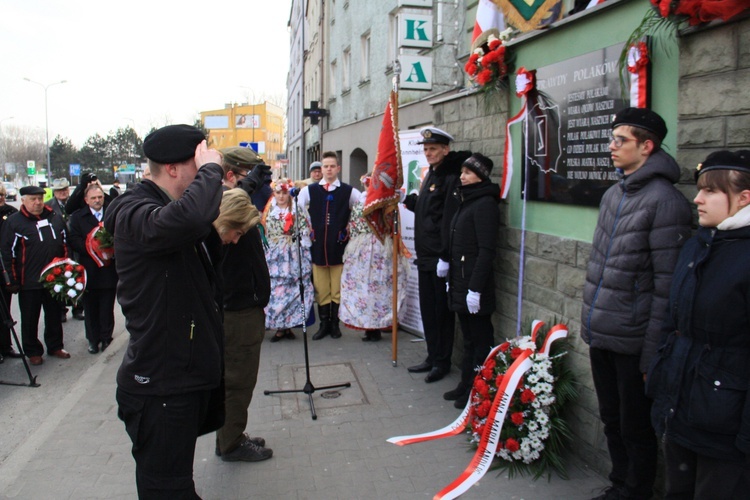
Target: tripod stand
[(309, 388), (7, 320)]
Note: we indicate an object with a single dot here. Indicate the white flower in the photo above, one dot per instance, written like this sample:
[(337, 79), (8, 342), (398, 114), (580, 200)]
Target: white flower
[(533, 378), (505, 34), (478, 51), (72, 293), (57, 288), (70, 282), (78, 286), (67, 274)]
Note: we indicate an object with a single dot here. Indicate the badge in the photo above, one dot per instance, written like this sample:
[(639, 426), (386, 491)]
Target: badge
[(432, 188)]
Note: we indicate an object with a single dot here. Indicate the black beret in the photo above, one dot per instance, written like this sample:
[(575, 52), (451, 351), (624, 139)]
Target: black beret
[(724, 160), (433, 135), (240, 157), (172, 144), (31, 190), (480, 165), (642, 118)]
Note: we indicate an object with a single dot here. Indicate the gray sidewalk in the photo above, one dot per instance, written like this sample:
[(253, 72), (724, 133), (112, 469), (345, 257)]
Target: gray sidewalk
[(77, 448)]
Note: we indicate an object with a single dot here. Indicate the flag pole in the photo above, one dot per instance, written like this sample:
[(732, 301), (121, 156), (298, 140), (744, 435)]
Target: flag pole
[(396, 238)]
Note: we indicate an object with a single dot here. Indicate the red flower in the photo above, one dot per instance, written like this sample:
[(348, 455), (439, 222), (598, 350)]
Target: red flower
[(484, 77), (68, 267), (515, 352), (79, 279), (494, 44), (473, 58), (511, 445), (484, 408), (50, 277), (488, 372), (482, 388), (471, 69), (489, 58), (57, 271), (517, 418), (500, 51), (499, 380), (504, 346), (527, 396), (479, 428), (79, 268)]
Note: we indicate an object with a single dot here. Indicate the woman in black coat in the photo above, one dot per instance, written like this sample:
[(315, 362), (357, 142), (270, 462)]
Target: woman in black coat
[(699, 379), (471, 288)]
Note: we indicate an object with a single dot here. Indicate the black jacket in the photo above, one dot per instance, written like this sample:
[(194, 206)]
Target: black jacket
[(166, 253), (472, 243), (80, 224), (29, 243), (434, 209), (700, 376)]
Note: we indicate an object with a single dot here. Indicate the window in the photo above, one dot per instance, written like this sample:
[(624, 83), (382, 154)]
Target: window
[(333, 78), (346, 66), (365, 58), (392, 40)]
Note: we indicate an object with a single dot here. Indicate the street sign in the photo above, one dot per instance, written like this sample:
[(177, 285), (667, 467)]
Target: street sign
[(75, 169), (31, 167)]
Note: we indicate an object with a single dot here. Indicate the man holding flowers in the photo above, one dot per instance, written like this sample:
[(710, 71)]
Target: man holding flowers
[(31, 238)]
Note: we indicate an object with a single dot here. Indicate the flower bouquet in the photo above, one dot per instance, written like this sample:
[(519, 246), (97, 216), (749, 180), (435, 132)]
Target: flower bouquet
[(488, 63), (65, 279), (100, 246), (533, 433)]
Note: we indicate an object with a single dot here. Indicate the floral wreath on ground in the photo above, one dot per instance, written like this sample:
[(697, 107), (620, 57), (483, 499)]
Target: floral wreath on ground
[(534, 434), (65, 279), (488, 63)]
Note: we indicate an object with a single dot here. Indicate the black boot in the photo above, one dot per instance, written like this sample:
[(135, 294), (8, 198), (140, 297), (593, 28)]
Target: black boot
[(325, 322), (371, 336), (335, 331)]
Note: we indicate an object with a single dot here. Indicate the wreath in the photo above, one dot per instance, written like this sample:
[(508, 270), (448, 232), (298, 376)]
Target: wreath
[(65, 279)]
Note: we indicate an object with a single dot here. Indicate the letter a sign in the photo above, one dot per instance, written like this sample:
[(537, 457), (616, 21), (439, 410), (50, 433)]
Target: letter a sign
[(414, 30), (416, 72)]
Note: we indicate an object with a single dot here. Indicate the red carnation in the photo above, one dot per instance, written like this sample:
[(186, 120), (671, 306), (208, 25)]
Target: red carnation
[(473, 58), (489, 58), (479, 429), (56, 271), (499, 380), (50, 278), (494, 44), (79, 268), (515, 352), (69, 268), (79, 279), (484, 408), (527, 396), (517, 418), (484, 77), (504, 346), (500, 51), (470, 68), (511, 445), (488, 372), (482, 388)]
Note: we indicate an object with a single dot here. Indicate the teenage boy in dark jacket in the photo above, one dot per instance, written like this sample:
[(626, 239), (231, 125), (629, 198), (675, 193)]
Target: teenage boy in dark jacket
[(433, 209), (643, 222), (169, 384)]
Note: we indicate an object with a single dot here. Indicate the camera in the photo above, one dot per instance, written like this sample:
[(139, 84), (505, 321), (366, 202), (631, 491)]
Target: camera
[(93, 177)]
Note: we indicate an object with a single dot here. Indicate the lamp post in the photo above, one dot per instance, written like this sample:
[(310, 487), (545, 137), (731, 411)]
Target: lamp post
[(46, 119)]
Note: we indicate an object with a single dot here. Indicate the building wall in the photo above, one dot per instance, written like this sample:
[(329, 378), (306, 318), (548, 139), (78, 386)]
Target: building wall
[(294, 84), (270, 128)]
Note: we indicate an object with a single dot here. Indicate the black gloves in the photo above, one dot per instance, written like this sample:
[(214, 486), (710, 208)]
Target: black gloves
[(255, 179)]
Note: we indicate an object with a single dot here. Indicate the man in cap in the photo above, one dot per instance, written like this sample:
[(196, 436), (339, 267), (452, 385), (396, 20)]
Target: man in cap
[(643, 222), (433, 209), (238, 163), (31, 239), (166, 252), (316, 173), (247, 288)]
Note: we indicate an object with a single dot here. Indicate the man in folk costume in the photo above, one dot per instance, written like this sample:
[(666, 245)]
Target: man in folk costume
[(329, 204), (434, 209), (101, 276)]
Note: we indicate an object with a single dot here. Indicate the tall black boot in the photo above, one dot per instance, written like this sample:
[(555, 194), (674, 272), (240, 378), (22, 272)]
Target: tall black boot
[(335, 331), (325, 322)]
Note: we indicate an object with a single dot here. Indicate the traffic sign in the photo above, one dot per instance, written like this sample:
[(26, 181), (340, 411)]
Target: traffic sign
[(31, 167)]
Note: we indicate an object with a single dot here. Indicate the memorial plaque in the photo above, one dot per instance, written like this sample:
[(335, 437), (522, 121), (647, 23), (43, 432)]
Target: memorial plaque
[(566, 136)]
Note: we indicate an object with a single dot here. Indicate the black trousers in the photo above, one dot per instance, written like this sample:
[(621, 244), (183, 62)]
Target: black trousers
[(691, 475), (163, 430), (99, 314), (438, 320), (625, 412), (5, 340), (479, 337), (31, 303)]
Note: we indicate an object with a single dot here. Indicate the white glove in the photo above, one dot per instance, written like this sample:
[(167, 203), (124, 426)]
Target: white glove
[(401, 195), (442, 268), (472, 301), (447, 286)]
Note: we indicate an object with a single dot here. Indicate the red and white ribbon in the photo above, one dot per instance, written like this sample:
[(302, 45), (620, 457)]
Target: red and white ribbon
[(638, 68), (490, 439), (525, 82)]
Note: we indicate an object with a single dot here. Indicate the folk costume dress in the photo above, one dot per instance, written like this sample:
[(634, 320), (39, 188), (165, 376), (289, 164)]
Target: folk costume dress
[(284, 307), (366, 279)]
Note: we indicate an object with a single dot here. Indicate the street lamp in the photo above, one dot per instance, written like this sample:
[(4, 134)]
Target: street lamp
[(46, 119)]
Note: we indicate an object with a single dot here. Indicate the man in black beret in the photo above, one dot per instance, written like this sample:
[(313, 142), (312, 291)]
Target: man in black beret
[(166, 252), (643, 222), (31, 238), (434, 209)]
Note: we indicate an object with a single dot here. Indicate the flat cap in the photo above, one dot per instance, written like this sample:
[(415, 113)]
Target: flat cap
[(240, 157), (642, 118), (31, 190), (433, 135), (724, 160), (61, 183), (314, 165), (172, 144)]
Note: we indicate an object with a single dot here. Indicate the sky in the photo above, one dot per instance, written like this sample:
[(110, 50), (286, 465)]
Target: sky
[(141, 63)]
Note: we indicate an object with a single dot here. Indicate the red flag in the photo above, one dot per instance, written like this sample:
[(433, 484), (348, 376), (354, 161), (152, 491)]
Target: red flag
[(387, 176), (489, 16)]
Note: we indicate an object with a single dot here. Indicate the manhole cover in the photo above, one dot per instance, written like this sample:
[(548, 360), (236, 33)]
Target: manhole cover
[(330, 394)]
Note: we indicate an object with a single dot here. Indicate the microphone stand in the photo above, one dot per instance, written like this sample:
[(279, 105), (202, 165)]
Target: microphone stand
[(9, 323), (309, 388)]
